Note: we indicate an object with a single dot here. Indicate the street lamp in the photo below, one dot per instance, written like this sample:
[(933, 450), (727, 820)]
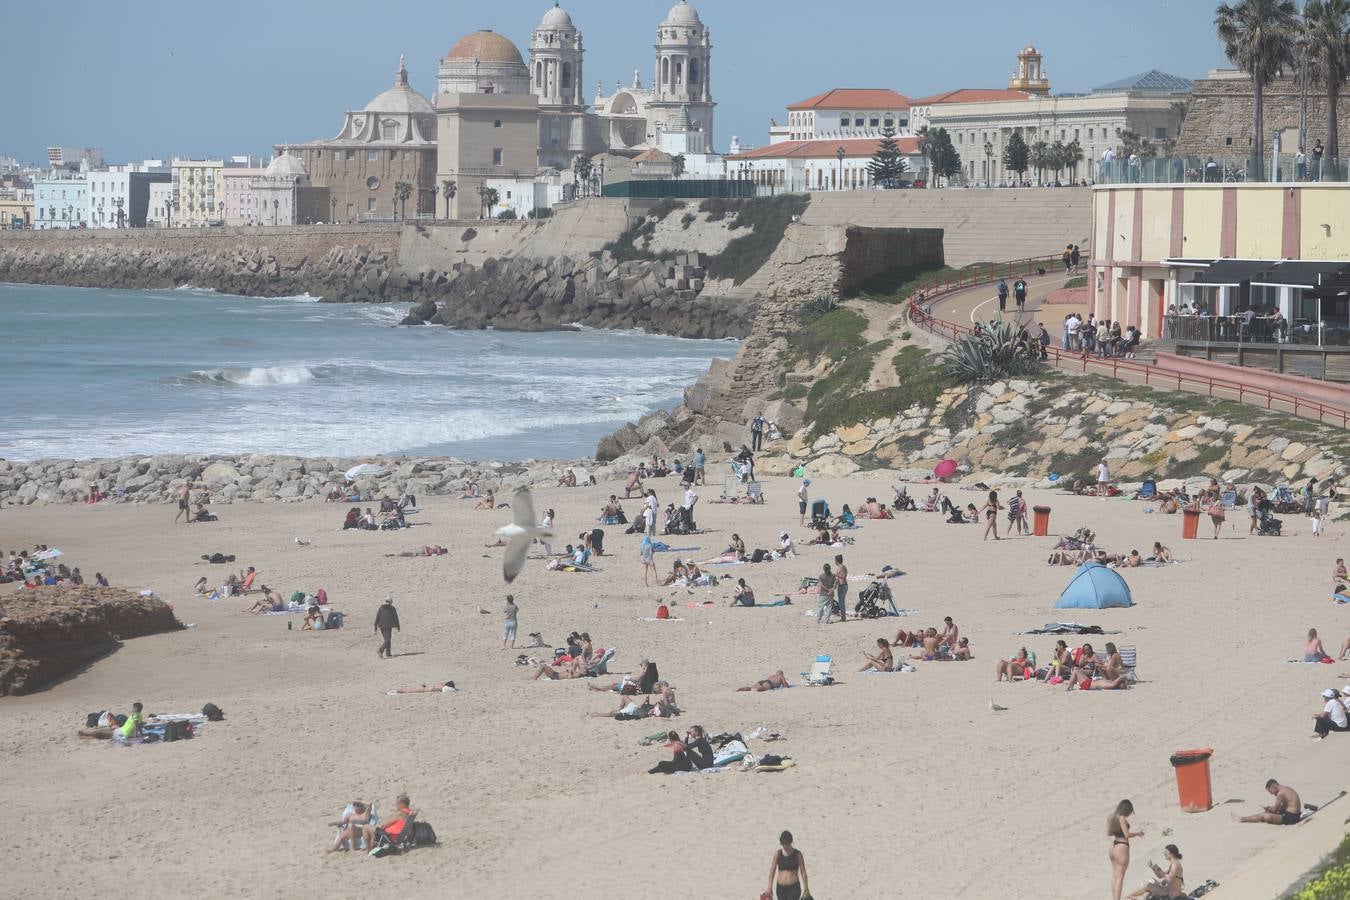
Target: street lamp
[(989, 164), (840, 154), (332, 202)]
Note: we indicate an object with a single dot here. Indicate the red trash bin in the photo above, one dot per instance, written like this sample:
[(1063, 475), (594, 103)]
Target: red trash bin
[(1190, 524), (1040, 521), (1193, 788)]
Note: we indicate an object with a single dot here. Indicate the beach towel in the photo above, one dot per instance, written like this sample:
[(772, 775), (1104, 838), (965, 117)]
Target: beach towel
[(1066, 628), (292, 610), (905, 668), (659, 619), (701, 604), (785, 762), (663, 547)]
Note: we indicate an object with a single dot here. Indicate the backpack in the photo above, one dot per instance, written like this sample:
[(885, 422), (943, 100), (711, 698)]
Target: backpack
[(322, 597), (213, 713), (423, 834), (91, 720), (757, 556)]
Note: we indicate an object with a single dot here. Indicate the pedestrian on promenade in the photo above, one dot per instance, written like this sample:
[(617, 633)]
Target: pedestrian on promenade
[(1002, 294), (1020, 292)]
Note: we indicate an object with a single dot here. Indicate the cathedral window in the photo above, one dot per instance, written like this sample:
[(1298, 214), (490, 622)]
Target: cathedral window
[(693, 71), (875, 122), (496, 123), (567, 75), (665, 71), (496, 156)]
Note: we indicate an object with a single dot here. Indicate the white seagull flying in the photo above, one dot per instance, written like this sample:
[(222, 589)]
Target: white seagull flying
[(522, 531)]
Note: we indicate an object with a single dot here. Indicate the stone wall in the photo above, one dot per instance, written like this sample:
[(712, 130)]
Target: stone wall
[(1219, 122), (48, 632), (873, 252)]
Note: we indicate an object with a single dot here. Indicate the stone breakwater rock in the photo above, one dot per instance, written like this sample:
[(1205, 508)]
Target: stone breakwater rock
[(1026, 430), (521, 294), (47, 632), (264, 477)]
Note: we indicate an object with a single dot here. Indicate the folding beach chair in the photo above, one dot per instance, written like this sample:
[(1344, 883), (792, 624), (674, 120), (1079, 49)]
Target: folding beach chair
[(821, 671), (755, 491), (1228, 499), (1128, 659), (599, 664), (730, 488)]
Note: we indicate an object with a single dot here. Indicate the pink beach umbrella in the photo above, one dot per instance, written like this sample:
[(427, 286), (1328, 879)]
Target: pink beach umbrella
[(945, 469)]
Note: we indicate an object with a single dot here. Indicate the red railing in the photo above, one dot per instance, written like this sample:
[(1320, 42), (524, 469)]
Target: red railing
[(920, 313)]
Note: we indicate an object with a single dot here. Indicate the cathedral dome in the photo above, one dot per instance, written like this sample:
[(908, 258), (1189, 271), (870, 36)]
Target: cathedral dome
[(401, 98), (285, 166), (682, 14), (485, 46), (556, 17)]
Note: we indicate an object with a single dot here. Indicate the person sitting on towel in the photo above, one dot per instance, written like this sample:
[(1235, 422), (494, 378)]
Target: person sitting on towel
[(882, 660), (270, 601), (742, 595), (129, 729)]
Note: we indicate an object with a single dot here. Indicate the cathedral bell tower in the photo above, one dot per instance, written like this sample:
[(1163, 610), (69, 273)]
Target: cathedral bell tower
[(683, 79)]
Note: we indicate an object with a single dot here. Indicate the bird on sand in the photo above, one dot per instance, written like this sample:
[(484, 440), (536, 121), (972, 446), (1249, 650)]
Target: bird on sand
[(522, 531), (996, 708)]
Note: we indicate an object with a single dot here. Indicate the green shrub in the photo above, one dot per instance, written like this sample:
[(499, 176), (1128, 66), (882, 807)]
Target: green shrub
[(1332, 877), (1076, 281), (834, 335), (507, 214), (768, 218), (992, 355), (469, 234), (686, 220), (717, 208)]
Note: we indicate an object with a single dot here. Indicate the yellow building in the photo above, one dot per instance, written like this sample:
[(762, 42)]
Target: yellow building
[(12, 211), (1226, 248), (198, 192)]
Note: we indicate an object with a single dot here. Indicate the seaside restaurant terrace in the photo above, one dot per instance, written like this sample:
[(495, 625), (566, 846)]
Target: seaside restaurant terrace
[(1242, 301)]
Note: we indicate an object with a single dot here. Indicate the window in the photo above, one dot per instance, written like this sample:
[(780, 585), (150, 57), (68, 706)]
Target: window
[(372, 155), (496, 156), (1089, 134), (1228, 142), (496, 123), (1160, 134), (875, 121), (508, 195), (890, 122), (370, 205)]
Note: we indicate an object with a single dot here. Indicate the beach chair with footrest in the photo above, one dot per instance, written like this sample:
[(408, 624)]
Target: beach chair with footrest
[(598, 665), (754, 492), (1128, 658), (730, 488), (821, 671)]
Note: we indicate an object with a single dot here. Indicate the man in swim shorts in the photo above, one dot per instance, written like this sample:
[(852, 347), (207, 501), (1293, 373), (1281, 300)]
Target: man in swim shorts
[(1287, 809)]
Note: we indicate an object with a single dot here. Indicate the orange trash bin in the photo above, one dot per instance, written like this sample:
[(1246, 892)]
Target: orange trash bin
[(1193, 788), (1040, 522), (1190, 524)]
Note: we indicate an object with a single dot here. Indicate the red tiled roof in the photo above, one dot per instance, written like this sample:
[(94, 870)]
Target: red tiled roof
[(853, 148), (848, 98), (972, 95)]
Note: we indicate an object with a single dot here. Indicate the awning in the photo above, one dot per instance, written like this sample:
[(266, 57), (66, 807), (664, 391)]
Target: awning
[(1304, 274), (1228, 273)]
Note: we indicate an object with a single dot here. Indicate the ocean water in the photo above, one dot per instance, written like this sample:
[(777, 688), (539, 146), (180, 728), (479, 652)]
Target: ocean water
[(99, 373)]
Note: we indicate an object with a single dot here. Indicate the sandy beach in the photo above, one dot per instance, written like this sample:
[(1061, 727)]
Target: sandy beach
[(905, 785)]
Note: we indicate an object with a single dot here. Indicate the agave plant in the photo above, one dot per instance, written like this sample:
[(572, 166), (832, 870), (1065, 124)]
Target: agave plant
[(992, 354)]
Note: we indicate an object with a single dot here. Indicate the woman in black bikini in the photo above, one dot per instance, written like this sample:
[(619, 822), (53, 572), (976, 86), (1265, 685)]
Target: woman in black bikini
[(1118, 829), (991, 510), (787, 874)]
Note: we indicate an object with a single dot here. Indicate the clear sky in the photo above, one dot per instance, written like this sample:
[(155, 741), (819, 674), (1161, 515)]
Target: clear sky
[(144, 79)]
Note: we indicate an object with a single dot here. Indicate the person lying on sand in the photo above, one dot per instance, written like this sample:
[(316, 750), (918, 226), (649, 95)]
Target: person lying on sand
[(662, 706), (488, 501), (433, 550), (772, 683), (574, 668), (446, 688), (644, 682), (882, 660)]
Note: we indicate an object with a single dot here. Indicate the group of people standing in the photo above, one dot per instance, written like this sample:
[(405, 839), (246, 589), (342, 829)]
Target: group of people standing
[(1099, 336)]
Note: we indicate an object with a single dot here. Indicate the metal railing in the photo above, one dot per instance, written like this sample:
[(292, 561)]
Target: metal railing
[(1231, 169), (921, 314), (1260, 330)]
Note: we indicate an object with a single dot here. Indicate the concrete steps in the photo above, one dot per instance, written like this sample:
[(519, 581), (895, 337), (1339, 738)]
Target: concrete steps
[(980, 225)]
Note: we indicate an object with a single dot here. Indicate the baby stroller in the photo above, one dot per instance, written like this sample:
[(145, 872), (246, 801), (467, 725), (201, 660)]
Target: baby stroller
[(1284, 500), (1267, 524), (903, 501), (875, 602), (820, 514)]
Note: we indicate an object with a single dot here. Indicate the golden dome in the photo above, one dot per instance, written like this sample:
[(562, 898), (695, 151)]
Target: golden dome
[(485, 46)]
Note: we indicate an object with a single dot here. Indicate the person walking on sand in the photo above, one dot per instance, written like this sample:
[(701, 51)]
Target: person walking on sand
[(825, 586), (1103, 478), (386, 623), (803, 499), (509, 622), (649, 511), (787, 872), (1286, 810), (991, 510), (184, 492), (757, 432), (647, 550), (841, 586), (1118, 830)]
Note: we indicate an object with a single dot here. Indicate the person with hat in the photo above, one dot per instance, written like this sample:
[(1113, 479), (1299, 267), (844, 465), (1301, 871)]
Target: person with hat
[(803, 499), (785, 548), (386, 623), (1332, 717)]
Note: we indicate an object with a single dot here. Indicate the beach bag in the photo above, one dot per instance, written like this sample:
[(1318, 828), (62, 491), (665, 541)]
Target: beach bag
[(322, 597), (213, 713), (757, 556), (663, 612), (297, 598), (95, 719), (423, 834)]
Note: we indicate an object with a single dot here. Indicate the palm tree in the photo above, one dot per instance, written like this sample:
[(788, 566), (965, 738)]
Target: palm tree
[(448, 191), (581, 169), (402, 191), (1326, 32), (489, 198), (677, 165), (1258, 37), (1181, 109), (1039, 157), (1073, 155)]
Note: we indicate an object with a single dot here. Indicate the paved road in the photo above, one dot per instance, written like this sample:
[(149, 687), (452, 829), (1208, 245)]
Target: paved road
[(981, 304)]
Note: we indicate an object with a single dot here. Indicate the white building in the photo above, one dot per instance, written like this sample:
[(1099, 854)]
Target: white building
[(60, 202), (159, 213), (199, 192), (276, 193), (240, 206), (823, 165), (119, 196), (844, 113), (980, 123), (526, 195)]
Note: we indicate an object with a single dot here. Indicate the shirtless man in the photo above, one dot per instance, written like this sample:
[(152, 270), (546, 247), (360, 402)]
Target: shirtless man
[(1287, 809), (489, 501), (951, 635), (774, 681), (436, 550), (930, 646), (632, 484), (184, 493), (269, 601), (1339, 576), (882, 660)]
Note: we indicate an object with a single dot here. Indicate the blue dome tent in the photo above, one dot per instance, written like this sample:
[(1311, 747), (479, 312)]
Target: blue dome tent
[(1095, 586)]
